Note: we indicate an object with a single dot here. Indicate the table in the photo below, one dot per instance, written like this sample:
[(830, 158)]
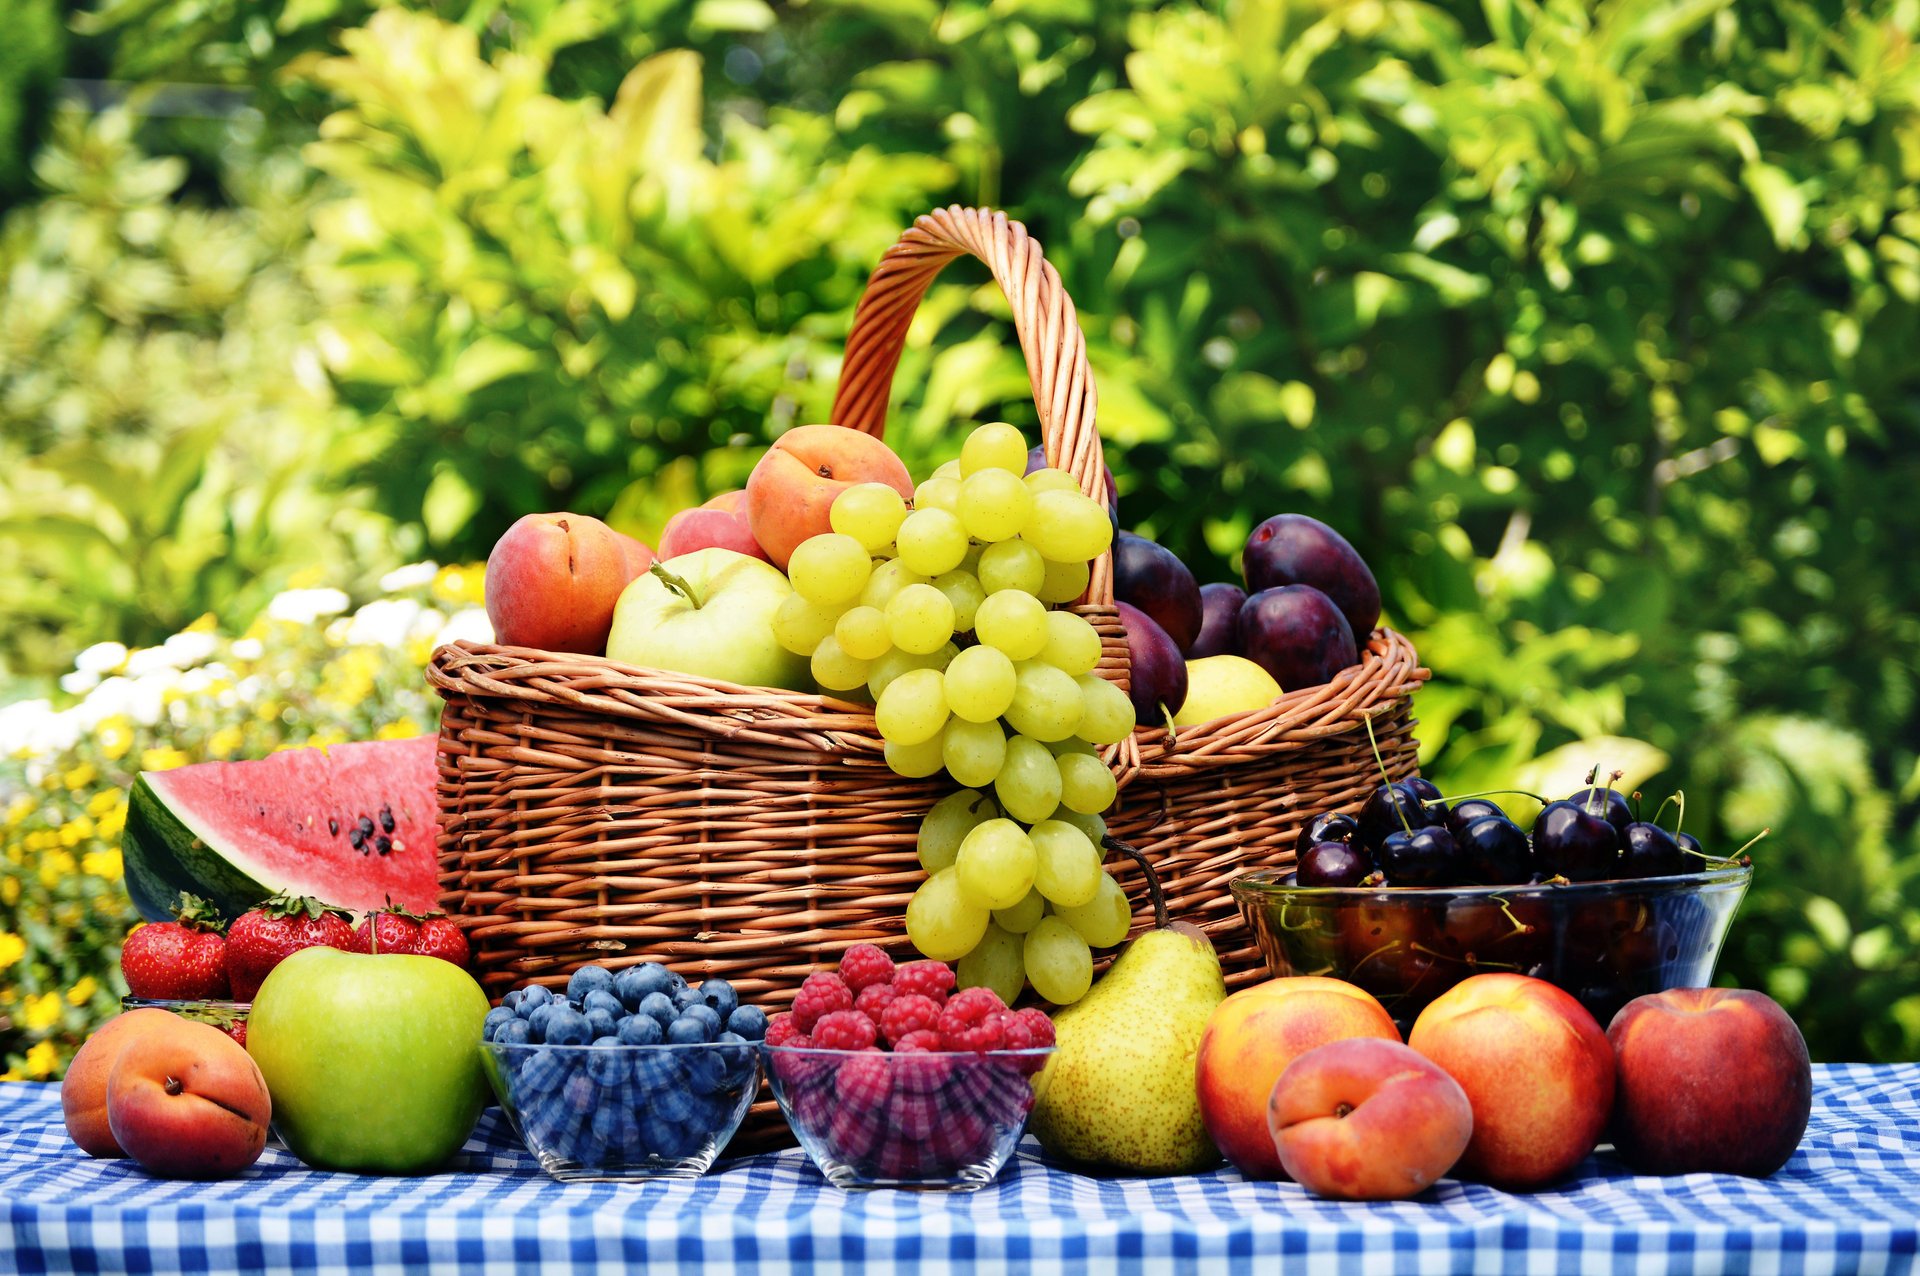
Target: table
[(1849, 1201)]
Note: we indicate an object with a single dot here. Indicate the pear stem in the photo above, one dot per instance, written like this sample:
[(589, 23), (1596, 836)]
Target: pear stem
[(677, 583), (1154, 893)]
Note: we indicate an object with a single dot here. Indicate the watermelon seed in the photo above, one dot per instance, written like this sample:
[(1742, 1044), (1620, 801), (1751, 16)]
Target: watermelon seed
[(365, 826), (358, 839), (333, 826), (384, 842), (386, 818)]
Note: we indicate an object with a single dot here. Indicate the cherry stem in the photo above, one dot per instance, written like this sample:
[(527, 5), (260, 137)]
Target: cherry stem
[(1386, 779), (1611, 781), (1154, 893), (1680, 820), (1464, 797), (1750, 841), (677, 583), (1662, 807)]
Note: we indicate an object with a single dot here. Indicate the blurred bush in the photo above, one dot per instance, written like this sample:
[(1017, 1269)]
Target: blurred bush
[(1590, 324)]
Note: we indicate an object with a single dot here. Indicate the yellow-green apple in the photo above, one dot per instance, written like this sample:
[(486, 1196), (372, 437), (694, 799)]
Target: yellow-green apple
[(83, 1094), (185, 1101), (373, 1059), (709, 613), (1250, 1040), (1711, 1080), (790, 492), (552, 581), (1368, 1120), (1220, 685), (1536, 1067), (703, 527)]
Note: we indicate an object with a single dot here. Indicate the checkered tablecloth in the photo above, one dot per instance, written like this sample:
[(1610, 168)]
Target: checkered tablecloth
[(1848, 1201)]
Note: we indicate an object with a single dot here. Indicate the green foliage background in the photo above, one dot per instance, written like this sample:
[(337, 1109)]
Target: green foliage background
[(1592, 325)]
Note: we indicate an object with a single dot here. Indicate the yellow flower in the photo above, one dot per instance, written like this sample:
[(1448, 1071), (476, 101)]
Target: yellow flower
[(112, 822), (82, 992), (12, 947), (41, 1012), (225, 742), (13, 1074), (207, 624), (80, 777), (115, 737), (105, 801), (307, 578), (162, 759), (102, 864), (267, 710), (461, 584), (76, 830), (19, 809), (55, 868), (404, 729), (9, 891), (42, 1060)]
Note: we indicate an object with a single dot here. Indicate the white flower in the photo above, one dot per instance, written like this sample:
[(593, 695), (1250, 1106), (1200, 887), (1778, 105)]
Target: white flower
[(304, 606), (385, 622), (177, 652), (412, 576), (102, 657), (79, 682), (248, 649), (34, 728), (468, 625)]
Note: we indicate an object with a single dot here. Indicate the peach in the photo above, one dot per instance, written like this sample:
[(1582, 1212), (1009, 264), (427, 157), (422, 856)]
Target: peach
[(704, 528), (1251, 1039), (83, 1095), (791, 489), (635, 553), (729, 501), (1535, 1066), (552, 581), (186, 1101), (1367, 1120), (1711, 1080)]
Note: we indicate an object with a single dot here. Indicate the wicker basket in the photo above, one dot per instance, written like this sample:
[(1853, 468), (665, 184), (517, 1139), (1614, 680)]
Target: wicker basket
[(593, 811)]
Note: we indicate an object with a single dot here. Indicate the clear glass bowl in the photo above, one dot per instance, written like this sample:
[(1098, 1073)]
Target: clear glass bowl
[(921, 1120), (1604, 942), (624, 1112), (229, 1017)]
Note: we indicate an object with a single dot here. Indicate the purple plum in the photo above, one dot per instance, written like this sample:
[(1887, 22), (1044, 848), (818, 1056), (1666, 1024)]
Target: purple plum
[(1157, 676), (1292, 549), (1219, 610), (1153, 578), (1297, 634)]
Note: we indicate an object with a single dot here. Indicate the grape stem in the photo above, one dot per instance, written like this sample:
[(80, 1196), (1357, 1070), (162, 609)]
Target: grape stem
[(677, 583), (1154, 893)]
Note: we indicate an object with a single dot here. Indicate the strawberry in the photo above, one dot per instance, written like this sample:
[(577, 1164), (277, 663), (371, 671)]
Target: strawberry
[(182, 960), (441, 936), (265, 935), (388, 930)]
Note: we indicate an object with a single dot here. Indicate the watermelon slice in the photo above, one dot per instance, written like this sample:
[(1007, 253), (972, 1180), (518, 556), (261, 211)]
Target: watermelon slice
[(352, 825)]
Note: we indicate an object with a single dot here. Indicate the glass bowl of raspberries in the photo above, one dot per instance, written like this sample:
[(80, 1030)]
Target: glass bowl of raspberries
[(627, 1074), (890, 1077)]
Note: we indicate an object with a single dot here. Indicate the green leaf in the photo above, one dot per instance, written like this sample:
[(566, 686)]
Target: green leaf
[(1779, 200)]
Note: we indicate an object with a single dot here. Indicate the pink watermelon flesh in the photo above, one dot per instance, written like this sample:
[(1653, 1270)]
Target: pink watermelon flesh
[(352, 825)]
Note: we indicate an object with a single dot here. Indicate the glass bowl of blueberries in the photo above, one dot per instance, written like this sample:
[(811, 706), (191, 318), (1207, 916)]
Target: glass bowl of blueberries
[(1414, 893), (627, 1074)]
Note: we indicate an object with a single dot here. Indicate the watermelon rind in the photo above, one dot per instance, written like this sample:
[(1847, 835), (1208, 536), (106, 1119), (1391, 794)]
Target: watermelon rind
[(163, 857)]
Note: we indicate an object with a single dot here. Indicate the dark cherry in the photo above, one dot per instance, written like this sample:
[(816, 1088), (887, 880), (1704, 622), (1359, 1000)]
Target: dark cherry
[(1333, 864), (1609, 804), (1572, 844), (1494, 852), (1328, 826), (1691, 852), (1468, 810), (1650, 851), (1390, 808), (1429, 797), (1424, 857)]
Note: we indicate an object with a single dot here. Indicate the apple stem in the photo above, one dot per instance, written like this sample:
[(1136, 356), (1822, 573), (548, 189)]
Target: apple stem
[(677, 583), (1154, 893), (1384, 777)]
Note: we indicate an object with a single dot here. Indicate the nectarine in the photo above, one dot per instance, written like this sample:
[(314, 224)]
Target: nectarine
[(83, 1095), (552, 581), (186, 1101), (1367, 1120), (790, 492), (704, 527)]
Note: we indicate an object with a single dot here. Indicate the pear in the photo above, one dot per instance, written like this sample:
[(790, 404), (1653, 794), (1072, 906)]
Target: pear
[(1119, 1088)]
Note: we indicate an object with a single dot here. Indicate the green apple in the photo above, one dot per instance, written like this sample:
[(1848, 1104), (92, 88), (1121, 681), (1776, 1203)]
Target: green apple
[(1220, 685), (708, 613), (372, 1062)]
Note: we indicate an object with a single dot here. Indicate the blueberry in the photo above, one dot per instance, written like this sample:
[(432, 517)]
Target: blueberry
[(568, 1027), (677, 1141), (641, 1030), (497, 1018), (719, 994), (533, 997), (706, 1071), (687, 1031), (707, 1017), (512, 1000), (588, 979), (542, 1018), (736, 1053), (657, 1073), (602, 999), (605, 1065), (602, 1024), (659, 1006), (749, 1021), (685, 996), (674, 1104), (635, 982), (581, 1095), (516, 1033), (542, 1072)]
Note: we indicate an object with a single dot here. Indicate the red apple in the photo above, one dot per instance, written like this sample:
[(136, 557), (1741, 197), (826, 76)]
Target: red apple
[(1367, 1120)]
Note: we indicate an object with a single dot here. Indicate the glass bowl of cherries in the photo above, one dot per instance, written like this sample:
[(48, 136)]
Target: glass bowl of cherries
[(1413, 893)]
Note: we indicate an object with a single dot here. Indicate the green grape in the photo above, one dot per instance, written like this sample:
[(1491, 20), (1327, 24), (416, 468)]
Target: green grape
[(912, 708), (971, 563), (888, 579), (932, 542), (1086, 785), (887, 667), (1058, 964), (1067, 527), (947, 822), (868, 512), (862, 631), (974, 751), (1050, 479), (830, 568), (995, 864), (994, 446), (1046, 702), (938, 493), (1022, 917), (1011, 564), (980, 684), (942, 923), (917, 761), (834, 669), (1014, 622), (995, 963), (1028, 785), (994, 504), (1064, 582), (919, 619), (799, 625), (964, 591), (948, 470), (1073, 645), (1092, 825), (1106, 714), (1072, 744), (1066, 867), (1104, 920)]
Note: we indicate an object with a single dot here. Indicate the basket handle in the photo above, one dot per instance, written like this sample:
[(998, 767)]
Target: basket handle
[(1043, 315)]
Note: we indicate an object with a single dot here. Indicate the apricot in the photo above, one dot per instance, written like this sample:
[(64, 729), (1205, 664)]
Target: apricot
[(636, 554), (791, 489), (1367, 1120), (186, 1101), (552, 581), (83, 1095), (707, 528)]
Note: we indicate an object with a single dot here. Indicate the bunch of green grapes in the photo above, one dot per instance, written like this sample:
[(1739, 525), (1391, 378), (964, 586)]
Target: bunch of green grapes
[(943, 614)]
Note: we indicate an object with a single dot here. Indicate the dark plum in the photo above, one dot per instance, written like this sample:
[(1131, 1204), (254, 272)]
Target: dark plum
[(1425, 857), (1650, 851), (1296, 634), (1390, 808), (1609, 804), (1572, 844), (1328, 826), (1152, 578), (1292, 549), (1333, 864), (1157, 676), (1467, 810), (1037, 460), (1494, 852), (1219, 612)]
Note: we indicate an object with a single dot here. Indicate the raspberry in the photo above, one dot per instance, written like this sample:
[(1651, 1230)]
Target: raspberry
[(844, 1030), (1038, 1024), (873, 1000), (863, 1081), (969, 1021), (781, 1029), (926, 1039), (908, 1013), (928, 978), (864, 965), (822, 994), (1015, 1033)]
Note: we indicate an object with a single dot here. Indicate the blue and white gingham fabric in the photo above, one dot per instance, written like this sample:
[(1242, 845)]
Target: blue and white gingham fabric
[(1849, 1201)]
